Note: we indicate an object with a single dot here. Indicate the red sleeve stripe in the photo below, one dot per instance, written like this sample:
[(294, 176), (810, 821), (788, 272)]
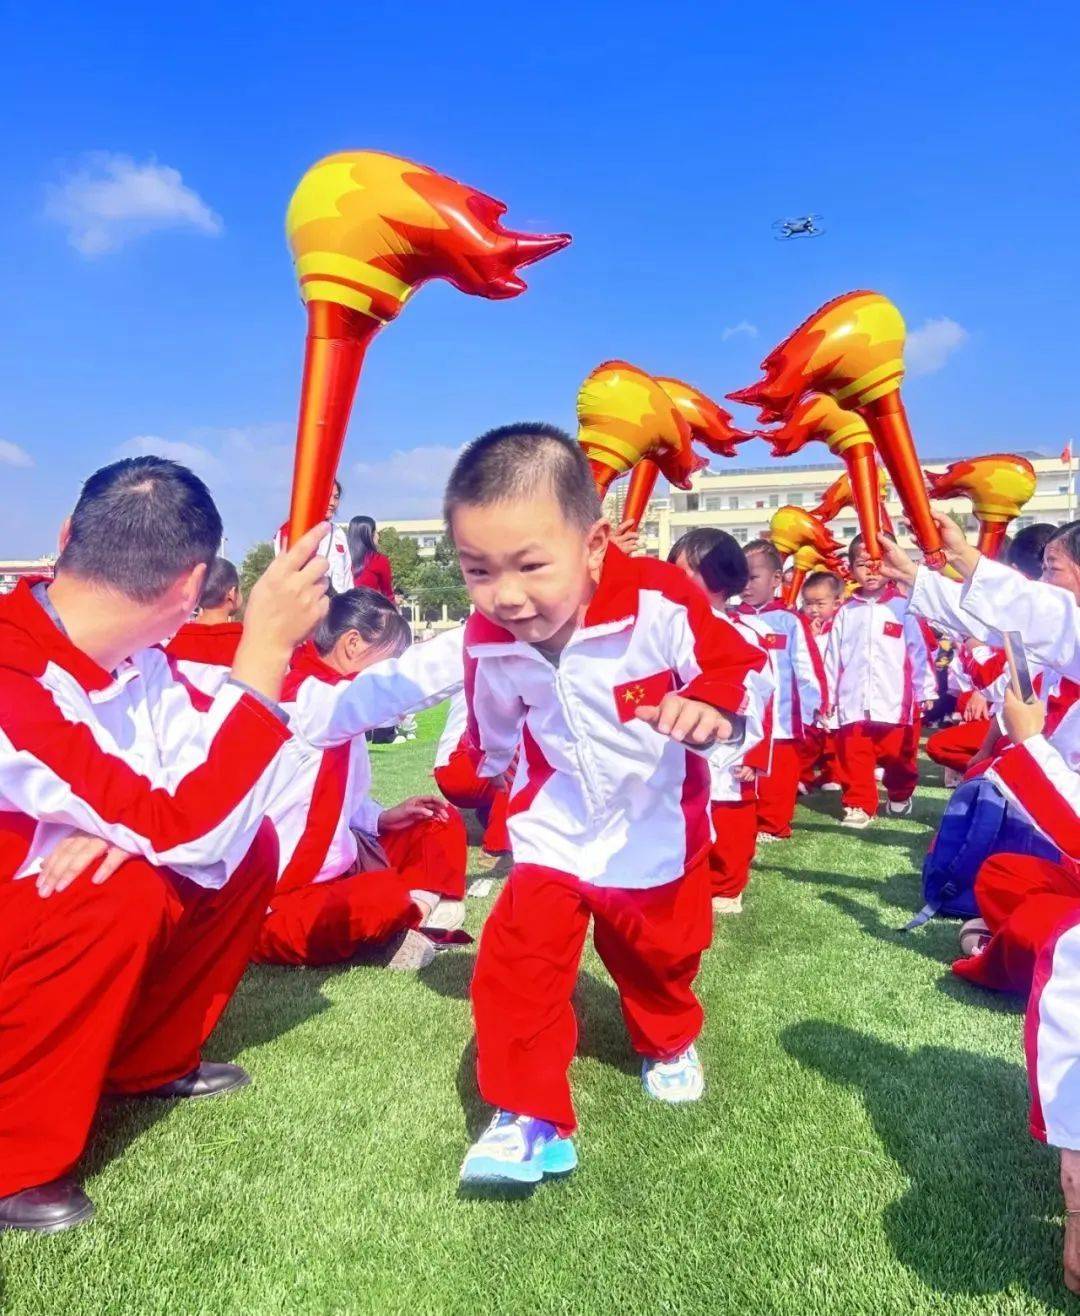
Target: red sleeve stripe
[(324, 813), (1020, 771), (200, 700), (816, 659), (240, 753)]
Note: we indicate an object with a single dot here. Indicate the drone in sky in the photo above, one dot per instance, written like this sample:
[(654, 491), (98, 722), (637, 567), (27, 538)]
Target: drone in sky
[(804, 226)]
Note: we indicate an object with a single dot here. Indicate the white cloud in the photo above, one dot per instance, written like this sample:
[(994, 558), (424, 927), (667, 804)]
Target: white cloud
[(12, 455), (744, 329), (930, 346), (110, 199), (405, 484), (200, 459)]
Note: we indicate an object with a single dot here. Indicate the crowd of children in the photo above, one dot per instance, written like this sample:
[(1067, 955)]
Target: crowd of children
[(179, 797)]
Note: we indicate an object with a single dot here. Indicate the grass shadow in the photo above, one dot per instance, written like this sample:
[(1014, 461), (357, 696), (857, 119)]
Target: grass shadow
[(967, 993), (268, 1003), (952, 1120)]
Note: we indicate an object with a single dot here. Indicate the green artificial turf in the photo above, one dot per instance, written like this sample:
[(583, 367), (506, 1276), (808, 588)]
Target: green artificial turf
[(861, 1147)]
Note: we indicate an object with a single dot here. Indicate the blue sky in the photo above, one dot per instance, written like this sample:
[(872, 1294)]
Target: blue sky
[(938, 141)]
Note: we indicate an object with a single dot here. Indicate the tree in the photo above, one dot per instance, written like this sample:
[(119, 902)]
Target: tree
[(438, 585), (404, 558), (255, 562)]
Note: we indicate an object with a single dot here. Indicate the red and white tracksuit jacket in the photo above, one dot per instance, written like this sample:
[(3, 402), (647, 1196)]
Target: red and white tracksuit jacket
[(455, 773), (609, 823), (327, 903), (118, 985), (734, 806), (129, 756), (599, 793), (333, 546), (877, 664), (1052, 1036), (203, 655), (800, 696)]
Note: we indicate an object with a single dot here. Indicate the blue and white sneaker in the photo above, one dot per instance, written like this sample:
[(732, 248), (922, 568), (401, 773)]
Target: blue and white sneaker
[(517, 1149), (674, 1081)]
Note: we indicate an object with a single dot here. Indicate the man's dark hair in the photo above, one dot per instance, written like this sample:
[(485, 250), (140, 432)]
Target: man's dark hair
[(769, 552), (220, 578), (857, 543), (717, 558), (514, 462), (369, 613), (830, 578), (140, 524), (1025, 551)]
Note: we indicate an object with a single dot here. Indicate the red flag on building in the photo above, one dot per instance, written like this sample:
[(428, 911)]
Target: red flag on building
[(1066, 456)]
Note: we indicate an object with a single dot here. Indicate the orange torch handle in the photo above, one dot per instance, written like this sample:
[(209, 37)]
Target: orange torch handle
[(992, 537), (642, 483), (889, 425), (337, 339), (866, 495), (791, 594)]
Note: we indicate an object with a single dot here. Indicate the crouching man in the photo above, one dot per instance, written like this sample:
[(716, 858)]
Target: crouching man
[(134, 864)]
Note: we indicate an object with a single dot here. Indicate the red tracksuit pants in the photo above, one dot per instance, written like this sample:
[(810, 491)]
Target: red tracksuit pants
[(328, 922), (111, 987), (817, 757), (732, 852), (778, 792), (651, 943), (459, 783), (1022, 899), (862, 746), (954, 747)]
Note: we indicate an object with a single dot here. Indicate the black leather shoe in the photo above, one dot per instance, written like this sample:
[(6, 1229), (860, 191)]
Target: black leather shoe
[(207, 1080), (47, 1208)]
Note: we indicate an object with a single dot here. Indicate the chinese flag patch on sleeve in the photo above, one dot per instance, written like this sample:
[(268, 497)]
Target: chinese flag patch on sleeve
[(774, 640), (894, 630), (646, 690)]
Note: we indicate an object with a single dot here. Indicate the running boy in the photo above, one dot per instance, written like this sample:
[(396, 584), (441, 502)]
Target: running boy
[(615, 678), (800, 686), (881, 678)]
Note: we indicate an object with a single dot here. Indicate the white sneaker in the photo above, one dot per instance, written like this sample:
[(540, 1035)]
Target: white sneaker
[(831, 786), (674, 1081), (447, 916), (767, 838), (856, 818), (727, 904), (900, 808), (952, 779), (803, 788), (974, 935), (879, 774)]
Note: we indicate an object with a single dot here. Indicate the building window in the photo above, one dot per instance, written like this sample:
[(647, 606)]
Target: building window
[(849, 532), (713, 502), (795, 499), (733, 503), (774, 500), (691, 502), (742, 535)]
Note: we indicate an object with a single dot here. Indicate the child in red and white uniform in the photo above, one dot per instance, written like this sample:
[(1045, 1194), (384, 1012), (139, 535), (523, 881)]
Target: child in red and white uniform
[(822, 596), (879, 671), (618, 683), (800, 686), (334, 546), (456, 762), (355, 878), (715, 562), (212, 638), (134, 864), (972, 674)]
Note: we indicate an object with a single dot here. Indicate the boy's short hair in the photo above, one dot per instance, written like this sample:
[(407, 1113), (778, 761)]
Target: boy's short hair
[(515, 461), (768, 550), (370, 614), (139, 525), (830, 578), (716, 556), (858, 542), (221, 577), (1026, 550)]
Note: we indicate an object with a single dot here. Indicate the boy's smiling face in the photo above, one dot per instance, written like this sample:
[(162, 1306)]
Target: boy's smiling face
[(820, 601), (526, 567), (763, 582)]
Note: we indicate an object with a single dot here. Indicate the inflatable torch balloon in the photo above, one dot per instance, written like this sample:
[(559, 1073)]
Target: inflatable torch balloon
[(816, 416), (998, 485), (853, 349), (366, 230), (624, 416), (710, 425), (808, 559), (838, 496)]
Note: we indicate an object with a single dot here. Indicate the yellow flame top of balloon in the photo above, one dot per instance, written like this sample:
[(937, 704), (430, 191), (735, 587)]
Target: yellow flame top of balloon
[(625, 415), (999, 484)]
